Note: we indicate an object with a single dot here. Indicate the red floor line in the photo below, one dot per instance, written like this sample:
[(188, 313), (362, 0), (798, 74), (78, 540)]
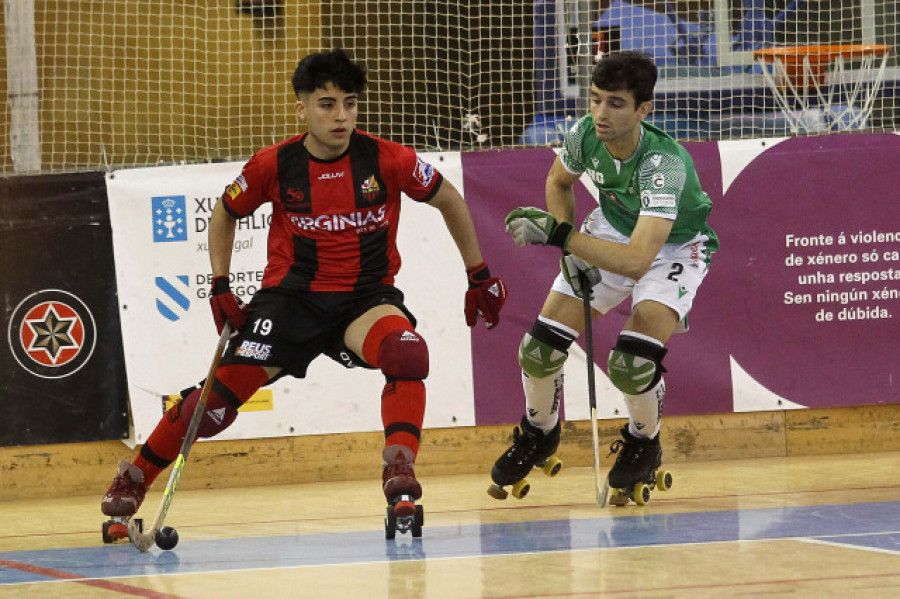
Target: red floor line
[(107, 585)]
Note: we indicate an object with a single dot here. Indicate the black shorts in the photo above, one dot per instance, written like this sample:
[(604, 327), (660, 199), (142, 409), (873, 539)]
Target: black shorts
[(290, 329)]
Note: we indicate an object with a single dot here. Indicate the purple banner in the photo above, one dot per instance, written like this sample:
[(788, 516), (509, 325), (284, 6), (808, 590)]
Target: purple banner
[(801, 301)]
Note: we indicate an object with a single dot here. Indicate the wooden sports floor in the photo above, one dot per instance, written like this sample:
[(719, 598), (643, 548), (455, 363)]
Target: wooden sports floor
[(824, 526)]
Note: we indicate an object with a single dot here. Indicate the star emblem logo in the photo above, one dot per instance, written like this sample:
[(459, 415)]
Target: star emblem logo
[(51, 334)]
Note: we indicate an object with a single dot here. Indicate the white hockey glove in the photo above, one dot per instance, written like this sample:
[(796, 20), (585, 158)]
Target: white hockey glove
[(535, 226), (572, 266)]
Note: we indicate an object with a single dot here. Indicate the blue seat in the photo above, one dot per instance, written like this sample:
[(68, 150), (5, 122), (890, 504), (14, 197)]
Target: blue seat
[(546, 130)]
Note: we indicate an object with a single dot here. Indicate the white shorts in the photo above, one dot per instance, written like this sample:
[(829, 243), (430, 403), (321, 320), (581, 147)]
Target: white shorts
[(673, 278)]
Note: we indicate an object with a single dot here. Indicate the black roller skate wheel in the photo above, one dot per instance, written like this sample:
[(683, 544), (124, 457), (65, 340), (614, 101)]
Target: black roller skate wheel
[(390, 524), (104, 531), (418, 519)]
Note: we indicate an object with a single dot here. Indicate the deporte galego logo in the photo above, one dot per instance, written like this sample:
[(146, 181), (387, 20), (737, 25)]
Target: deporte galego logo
[(52, 334)]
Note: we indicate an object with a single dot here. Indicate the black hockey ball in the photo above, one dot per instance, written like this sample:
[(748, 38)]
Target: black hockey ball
[(166, 538)]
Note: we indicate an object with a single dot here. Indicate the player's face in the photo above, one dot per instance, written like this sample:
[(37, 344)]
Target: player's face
[(616, 115), (330, 115)]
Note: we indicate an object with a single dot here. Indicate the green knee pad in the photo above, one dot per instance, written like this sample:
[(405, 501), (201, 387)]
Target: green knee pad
[(629, 373), (539, 359), (635, 364)]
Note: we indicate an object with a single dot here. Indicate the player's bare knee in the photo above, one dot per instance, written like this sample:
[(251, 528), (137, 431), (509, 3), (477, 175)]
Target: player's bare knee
[(544, 350), (403, 355), (635, 364)]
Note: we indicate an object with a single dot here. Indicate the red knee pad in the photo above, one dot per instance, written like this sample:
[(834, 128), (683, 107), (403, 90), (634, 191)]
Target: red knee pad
[(232, 386), (403, 354), (216, 418)]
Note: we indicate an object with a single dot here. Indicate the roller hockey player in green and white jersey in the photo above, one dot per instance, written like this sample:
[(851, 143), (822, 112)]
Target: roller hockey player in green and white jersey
[(648, 240)]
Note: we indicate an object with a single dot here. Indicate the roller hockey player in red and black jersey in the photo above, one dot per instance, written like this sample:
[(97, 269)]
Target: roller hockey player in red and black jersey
[(328, 286)]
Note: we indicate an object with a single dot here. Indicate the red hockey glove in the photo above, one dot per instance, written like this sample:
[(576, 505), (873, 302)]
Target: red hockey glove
[(485, 296), (226, 307)]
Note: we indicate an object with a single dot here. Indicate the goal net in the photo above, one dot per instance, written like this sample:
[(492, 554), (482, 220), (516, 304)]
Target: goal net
[(104, 85)]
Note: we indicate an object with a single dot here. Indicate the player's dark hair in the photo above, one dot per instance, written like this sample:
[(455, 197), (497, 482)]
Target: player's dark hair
[(631, 71), (315, 71)]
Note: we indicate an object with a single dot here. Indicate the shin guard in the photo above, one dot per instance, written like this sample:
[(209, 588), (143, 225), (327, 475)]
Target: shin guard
[(402, 413)]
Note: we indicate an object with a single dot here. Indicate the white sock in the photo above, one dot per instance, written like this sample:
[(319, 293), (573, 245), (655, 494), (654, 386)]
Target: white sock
[(542, 400), (645, 410)]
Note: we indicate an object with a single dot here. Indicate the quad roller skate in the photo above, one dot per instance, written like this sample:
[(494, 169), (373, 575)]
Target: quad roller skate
[(531, 448), (402, 490), (636, 471), (122, 501), (116, 528)]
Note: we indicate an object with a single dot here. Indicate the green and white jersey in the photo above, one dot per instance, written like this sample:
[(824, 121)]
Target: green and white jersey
[(658, 180)]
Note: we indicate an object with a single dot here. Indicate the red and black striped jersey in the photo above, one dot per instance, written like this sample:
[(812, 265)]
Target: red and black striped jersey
[(334, 222)]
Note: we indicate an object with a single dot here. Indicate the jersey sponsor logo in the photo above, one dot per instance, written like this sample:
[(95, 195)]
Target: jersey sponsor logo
[(168, 219), (329, 176), (254, 350), (424, 172), (294, 200), (655, 160), (650, 200), (52, 334), (235, 188), (361, 220), (370, 189), (172, 301), (659, 180)]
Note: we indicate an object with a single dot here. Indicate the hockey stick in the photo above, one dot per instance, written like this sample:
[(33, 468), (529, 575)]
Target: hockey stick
[(145, 540), (602, 488)]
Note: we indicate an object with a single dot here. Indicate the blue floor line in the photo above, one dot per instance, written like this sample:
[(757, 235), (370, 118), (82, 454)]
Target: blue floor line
[(869, 525)]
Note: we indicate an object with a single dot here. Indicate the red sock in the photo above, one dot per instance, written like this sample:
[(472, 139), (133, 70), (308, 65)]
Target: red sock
[(402, 412), (164, 442)]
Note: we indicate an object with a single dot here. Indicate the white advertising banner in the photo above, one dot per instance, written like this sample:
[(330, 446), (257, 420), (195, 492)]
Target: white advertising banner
[(159, 221)]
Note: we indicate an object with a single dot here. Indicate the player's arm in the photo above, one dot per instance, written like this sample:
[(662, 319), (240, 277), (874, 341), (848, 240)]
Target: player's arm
[(221, 239), (459, 223), (225, 305), (560, 192), (632, 260), (486, 293)]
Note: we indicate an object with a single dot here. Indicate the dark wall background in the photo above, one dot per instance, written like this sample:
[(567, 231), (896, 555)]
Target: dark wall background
[(62, 368)]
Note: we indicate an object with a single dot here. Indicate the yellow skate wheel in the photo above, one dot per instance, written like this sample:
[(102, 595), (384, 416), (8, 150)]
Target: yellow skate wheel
[(521, 488), (641, 494), (552, 466), (497, 492), (663, 480)]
